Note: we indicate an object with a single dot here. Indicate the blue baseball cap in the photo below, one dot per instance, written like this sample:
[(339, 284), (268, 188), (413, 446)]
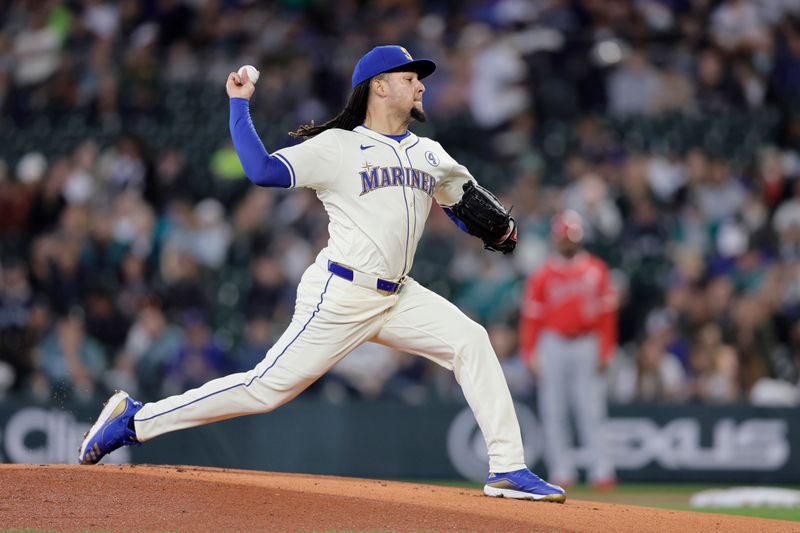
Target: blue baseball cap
[(391, 58)]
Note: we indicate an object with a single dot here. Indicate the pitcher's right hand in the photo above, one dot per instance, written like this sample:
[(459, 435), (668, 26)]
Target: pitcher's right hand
[(239, 86)]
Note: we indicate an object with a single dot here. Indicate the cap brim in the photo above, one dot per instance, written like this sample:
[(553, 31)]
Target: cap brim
[(423, 67)]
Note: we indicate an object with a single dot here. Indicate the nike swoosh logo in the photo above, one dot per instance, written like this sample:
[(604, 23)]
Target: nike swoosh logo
[(365, 147)]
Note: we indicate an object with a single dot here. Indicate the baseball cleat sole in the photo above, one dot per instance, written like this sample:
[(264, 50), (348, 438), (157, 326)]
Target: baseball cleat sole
[(519, 495)]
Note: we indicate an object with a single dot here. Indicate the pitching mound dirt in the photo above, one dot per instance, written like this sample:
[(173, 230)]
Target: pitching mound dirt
[(190, 499)]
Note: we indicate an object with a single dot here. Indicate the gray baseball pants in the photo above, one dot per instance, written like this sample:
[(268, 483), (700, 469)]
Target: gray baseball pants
[(569, 382)]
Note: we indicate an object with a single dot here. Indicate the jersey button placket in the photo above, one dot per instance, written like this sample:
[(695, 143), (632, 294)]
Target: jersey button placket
[(412, 203)]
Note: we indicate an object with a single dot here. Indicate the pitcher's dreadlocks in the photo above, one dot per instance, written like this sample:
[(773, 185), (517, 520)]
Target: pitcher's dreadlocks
[(351, 116)]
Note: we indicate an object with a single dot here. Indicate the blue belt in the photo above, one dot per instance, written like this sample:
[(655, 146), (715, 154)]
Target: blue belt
[(364, 280)]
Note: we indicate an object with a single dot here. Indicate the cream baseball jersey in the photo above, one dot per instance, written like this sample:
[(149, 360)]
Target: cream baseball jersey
[(377, 193)]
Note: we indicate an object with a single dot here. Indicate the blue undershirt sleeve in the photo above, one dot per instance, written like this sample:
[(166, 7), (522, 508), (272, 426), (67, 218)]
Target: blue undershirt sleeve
[(454, 218), (261, 168)]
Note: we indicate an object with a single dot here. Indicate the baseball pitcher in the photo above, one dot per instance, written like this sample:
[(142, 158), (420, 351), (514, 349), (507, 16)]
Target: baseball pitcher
[(377, 182), (568, 334)]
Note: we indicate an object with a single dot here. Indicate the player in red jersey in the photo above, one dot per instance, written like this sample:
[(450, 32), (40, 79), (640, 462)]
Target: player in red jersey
[(568, 335)]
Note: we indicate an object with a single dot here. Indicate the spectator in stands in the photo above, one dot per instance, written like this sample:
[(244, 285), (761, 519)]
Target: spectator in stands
[(633, 87), (185, 284), (153, 343), (134, 286), (101, 253), (14, 205), (172, 177), (198, 360), (257, 339), (786, 224), (590, 198), (670, 322), (675, 92), (717, 90), (63, 279), (720, 384), (718, 194), (497, 90), (126, 167), (71, 360), (654, 375), (16, 339), (47, 196), (737, 25), (755, 340), (104, 322), (364, 374), (785, 75), (251, 233), (269, 292), (37, 49), (211, 235), (504, 342)]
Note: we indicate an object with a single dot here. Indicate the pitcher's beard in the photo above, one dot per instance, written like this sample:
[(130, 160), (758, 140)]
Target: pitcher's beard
[(418, 114)]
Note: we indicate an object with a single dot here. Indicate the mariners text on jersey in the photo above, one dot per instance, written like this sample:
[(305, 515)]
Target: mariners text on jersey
[(378, 177)]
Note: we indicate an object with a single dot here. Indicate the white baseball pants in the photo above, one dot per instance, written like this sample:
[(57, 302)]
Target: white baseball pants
[(332, 317)]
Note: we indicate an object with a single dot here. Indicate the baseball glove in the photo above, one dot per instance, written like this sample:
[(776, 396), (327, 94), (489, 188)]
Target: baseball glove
[(486, 218)]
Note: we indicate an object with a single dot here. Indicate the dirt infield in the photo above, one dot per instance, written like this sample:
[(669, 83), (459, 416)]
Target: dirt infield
[(190, 499)]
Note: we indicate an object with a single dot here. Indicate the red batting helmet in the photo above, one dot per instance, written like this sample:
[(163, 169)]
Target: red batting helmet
[(567, 225)]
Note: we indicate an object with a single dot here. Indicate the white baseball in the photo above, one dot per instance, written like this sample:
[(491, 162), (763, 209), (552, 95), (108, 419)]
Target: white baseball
[(252, 72)]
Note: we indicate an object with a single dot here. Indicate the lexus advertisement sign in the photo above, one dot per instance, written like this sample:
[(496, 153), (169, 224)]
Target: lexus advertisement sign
[(647, 443)]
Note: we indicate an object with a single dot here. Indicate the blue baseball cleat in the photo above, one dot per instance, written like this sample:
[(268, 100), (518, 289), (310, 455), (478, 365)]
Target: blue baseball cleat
[(523, 485), (111, 430)]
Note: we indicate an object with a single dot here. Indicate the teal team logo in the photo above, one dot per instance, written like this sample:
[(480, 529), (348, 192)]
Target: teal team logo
[(431, 158)]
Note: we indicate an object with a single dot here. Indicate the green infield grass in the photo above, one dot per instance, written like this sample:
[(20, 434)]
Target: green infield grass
[(664, 495)]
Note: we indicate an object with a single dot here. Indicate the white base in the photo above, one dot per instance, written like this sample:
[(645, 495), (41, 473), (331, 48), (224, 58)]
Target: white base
[(111, 404), (519, 495)]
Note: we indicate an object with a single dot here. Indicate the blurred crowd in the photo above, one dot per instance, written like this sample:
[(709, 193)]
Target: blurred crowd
[(135, 254)]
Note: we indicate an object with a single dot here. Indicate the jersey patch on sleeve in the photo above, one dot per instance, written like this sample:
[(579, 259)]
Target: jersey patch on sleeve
[(432, 158)]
